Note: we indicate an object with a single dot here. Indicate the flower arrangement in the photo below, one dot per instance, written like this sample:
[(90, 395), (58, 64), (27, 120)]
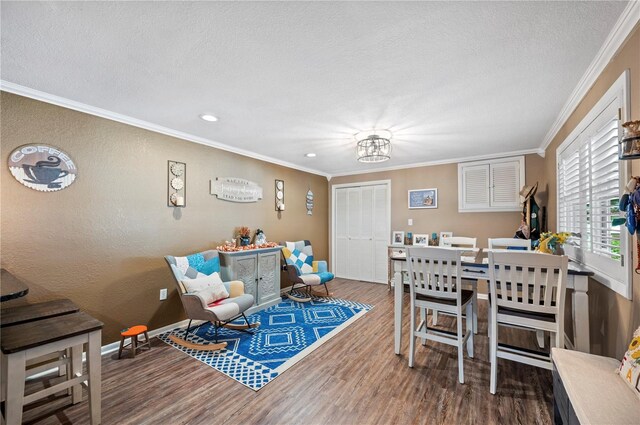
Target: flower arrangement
[(551, 243), (244, 232)]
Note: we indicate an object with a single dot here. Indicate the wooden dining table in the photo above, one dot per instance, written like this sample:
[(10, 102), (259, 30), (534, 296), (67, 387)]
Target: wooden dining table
[(475, 267)]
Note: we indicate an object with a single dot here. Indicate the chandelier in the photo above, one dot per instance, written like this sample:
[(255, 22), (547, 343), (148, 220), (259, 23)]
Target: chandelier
[(373, 145)]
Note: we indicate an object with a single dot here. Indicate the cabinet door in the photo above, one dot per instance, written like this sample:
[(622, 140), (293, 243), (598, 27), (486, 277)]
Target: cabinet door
[(246, 270), (268, 277), (505, 184), (475, 187)]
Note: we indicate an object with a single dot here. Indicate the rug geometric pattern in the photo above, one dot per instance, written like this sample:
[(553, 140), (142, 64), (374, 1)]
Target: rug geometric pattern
[(288, 332)]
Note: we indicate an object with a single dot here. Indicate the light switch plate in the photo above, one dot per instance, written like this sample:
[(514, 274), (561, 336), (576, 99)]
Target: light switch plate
[(163, 294), (410, 222)]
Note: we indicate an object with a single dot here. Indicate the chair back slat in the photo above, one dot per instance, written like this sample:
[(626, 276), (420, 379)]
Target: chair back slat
[(528, 281), (434, 272), (510, 243), (457, 242)]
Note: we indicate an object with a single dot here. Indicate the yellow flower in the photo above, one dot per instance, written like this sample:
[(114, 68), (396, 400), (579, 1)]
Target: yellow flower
[(634, 345)]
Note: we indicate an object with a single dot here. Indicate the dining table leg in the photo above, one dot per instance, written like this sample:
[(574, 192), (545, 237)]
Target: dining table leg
[(397, 305), (580, 312)]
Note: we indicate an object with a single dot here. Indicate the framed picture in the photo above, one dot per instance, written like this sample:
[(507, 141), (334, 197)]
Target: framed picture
[(397, 238), (423, 198), (420, 239), (445, 235)]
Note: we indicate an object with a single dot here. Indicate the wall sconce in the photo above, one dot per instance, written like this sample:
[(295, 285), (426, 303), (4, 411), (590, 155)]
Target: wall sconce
[(176, 183), (279, 195)]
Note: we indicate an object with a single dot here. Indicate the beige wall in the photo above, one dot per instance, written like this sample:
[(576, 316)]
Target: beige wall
[(446, 217), (613, 318), (101, 241)]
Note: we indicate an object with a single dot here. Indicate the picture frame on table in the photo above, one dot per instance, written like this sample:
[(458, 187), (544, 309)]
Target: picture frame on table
[(423, 198), (397, 238), (444, 235), (420, 239)]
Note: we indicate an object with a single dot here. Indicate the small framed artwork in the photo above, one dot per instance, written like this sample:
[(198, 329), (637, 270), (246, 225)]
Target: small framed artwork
[(445, 235), (397, 238), (423, 198), (420, 240)]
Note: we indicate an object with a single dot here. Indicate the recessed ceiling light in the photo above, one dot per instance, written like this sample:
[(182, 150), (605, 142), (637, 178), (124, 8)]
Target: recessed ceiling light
[(310, 155), (209, 117)]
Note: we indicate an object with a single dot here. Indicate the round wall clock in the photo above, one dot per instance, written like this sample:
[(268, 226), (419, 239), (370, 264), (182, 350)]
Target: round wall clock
[(177, 183), (42, 167)]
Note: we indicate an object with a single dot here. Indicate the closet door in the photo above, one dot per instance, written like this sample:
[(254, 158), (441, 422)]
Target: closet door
[(341, 233), (380, 233), (354, 216), (367, 251), (361, 233)]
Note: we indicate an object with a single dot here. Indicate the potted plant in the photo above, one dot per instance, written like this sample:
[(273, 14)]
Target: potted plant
[(245, 236)]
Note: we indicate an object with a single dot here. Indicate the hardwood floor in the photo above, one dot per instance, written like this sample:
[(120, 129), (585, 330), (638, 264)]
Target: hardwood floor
[(355, 378)]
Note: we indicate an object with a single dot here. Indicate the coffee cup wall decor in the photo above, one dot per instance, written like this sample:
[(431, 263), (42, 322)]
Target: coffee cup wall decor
[(42, 167)]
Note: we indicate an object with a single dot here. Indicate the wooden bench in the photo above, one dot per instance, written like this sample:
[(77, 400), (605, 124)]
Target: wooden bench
[(32, 339), (587, 390)]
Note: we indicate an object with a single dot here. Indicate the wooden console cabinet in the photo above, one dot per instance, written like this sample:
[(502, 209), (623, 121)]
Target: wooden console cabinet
[(259, 269)]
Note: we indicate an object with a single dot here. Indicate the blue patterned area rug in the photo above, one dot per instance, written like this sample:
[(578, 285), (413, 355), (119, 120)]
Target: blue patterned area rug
[(288, 332)]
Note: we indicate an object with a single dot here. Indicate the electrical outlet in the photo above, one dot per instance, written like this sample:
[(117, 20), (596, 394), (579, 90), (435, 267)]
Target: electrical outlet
[(410, 222), (163, 294)]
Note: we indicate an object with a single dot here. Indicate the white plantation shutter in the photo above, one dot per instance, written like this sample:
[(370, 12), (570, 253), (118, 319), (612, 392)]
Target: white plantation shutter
[(570, 212), (475, 186), (589, 187), (492, 185), (605, 190), (505, 184)]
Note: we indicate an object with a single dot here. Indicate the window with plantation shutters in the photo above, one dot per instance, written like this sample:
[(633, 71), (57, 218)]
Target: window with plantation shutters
[(492, 185), (589, 184)]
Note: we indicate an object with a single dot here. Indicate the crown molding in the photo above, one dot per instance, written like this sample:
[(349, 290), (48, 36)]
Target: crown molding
[(444, 162), (114, 116), (626, 22)]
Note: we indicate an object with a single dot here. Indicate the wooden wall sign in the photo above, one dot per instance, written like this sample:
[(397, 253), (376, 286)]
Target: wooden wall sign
[(42, 167), (234, 189)]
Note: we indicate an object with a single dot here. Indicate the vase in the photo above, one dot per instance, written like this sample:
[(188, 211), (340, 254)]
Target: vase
[(245, 240)]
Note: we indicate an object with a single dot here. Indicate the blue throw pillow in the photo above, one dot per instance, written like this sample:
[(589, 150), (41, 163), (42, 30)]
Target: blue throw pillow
[(195, 260), (210, 266), (517, 248)]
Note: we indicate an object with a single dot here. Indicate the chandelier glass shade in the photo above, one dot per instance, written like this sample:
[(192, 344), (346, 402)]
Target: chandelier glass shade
[(373, 145)]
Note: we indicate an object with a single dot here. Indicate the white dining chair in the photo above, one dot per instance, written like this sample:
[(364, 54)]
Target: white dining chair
[(457, 242), (434, 284), (527, 290), (510, 243), (461, 242)]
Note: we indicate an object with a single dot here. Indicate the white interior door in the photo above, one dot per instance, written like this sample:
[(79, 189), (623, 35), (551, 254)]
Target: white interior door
[(354, 216), (367, 264), (361, 232), (381, 232), (341, 234)]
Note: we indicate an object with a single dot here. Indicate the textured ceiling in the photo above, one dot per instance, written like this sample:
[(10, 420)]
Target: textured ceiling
[(449, 79)]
